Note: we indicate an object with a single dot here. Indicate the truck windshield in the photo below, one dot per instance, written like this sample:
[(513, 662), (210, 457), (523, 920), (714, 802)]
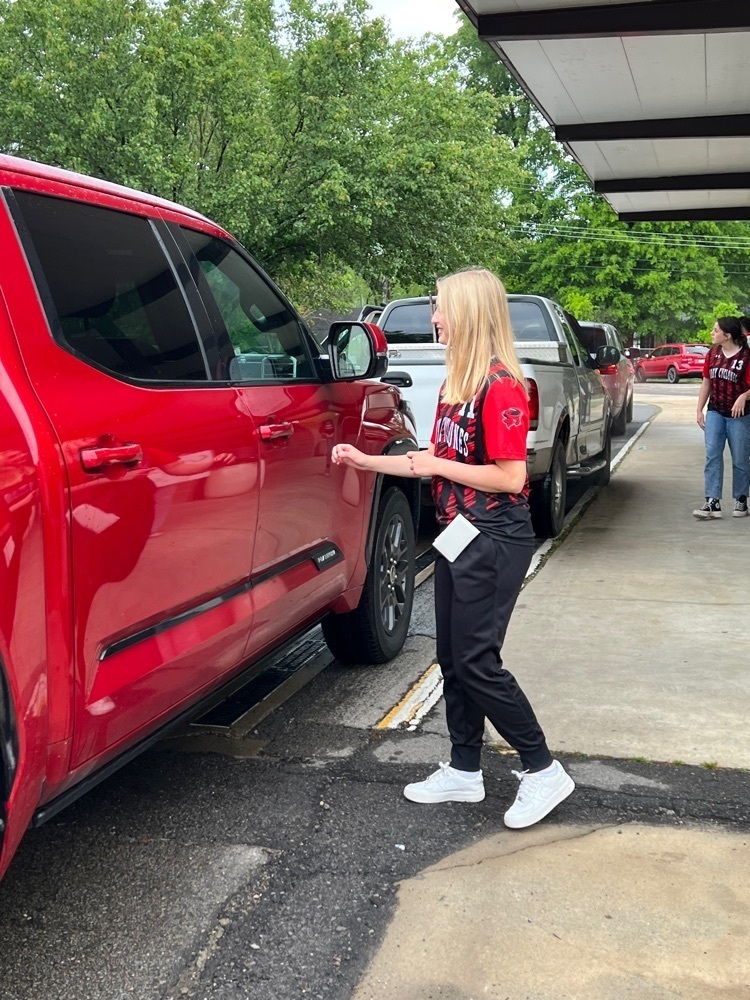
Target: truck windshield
[(411, 323)]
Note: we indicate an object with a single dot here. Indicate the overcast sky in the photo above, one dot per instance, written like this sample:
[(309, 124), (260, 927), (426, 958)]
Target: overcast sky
[(416, 17)]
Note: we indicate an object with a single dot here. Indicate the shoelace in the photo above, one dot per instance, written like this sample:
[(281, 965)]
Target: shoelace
[(442, 771), (521, 775)]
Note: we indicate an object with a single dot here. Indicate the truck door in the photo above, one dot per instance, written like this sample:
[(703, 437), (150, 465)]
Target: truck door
[(310, 523), (162, 468)]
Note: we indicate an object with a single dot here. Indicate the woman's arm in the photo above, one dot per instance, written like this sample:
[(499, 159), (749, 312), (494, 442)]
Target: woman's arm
[(501, 476), (703, 395), (391, 465)]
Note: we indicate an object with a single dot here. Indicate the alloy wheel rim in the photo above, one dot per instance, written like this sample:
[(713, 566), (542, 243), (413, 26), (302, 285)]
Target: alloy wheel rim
[(557, 489), (394, 570)]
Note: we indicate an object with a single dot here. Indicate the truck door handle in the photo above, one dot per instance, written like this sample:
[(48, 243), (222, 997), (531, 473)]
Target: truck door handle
[(270, 432), (402, 380), (104, 456)]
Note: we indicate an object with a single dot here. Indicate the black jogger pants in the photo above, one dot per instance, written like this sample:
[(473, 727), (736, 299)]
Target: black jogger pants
[(474, 598)]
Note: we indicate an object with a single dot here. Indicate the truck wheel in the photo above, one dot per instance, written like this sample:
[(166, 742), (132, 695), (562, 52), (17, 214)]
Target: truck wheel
[(672, 375), (603, 477), (548, 496), (620, 423), (376, 630)]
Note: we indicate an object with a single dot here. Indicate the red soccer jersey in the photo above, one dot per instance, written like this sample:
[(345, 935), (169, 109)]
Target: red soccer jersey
[(730, 377), (490, 427)]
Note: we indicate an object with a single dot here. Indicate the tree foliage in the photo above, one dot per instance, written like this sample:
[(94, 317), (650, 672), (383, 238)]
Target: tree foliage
[(323, 146), (351, 165)]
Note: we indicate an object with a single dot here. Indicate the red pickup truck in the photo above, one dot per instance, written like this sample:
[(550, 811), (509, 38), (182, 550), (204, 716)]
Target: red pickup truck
[(169, 511)]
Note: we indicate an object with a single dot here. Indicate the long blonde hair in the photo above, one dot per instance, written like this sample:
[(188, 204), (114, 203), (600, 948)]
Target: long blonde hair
[(475, 307)]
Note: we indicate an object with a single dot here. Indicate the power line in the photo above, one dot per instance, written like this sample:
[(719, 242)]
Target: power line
[(603, 267), (698, 241), (610, 234)]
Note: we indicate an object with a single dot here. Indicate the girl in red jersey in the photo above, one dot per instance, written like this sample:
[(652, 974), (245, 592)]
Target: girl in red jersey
[(477, 462), (726, 389)]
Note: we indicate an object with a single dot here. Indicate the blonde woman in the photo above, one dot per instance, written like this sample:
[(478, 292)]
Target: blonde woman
[(477, 461)]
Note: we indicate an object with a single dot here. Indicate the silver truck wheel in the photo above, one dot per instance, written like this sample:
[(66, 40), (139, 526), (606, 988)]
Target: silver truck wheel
[(548, 496), (604, 476)]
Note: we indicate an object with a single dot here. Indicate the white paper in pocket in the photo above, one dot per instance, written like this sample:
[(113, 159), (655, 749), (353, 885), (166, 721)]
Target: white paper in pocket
[(451, 542)]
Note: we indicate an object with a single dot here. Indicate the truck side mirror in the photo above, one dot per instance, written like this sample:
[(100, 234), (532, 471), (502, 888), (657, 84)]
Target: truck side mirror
[(607, 356), (357, 350)]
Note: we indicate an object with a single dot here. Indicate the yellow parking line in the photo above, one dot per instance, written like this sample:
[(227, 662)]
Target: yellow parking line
[(413, 700)]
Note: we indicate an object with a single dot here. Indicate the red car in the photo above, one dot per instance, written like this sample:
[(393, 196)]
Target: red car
[(673, 362), (169, 511)]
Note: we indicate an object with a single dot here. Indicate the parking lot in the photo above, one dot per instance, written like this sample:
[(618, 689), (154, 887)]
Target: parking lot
[(266, 864)]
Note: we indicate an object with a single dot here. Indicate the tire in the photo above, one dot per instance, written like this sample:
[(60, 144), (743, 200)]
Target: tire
[(672, 377), (620, 423), (376, 630), (548, 496), (603, 477), (630, 409), (640, 375)]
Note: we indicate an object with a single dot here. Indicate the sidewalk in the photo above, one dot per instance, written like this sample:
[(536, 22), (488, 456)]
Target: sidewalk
[(632, 642)]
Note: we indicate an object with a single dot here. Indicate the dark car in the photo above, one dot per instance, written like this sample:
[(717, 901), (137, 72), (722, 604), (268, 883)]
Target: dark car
[(634, 353)]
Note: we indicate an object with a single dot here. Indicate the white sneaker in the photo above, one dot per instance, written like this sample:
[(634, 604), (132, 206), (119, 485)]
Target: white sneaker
[(538, 794), (447, 785)]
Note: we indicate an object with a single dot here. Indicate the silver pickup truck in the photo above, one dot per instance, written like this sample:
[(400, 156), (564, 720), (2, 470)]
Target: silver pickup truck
[(570, 434)]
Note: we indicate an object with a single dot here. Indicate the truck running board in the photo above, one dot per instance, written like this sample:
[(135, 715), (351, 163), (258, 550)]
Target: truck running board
[(586, 469)]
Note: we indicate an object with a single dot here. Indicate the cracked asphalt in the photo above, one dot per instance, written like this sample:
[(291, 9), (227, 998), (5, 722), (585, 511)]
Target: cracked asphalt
[(274, 876)]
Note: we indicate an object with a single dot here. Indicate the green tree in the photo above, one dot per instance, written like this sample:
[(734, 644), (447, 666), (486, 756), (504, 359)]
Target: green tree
[(391, 165), (327, 149)]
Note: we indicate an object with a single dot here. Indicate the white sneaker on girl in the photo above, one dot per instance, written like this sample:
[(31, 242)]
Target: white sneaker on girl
[(447, 785), (538, 794)]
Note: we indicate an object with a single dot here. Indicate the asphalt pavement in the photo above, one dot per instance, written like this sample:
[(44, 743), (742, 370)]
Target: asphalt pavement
[(283, 862)]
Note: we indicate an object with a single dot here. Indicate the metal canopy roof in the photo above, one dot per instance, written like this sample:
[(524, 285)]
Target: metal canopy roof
[(652, 97)]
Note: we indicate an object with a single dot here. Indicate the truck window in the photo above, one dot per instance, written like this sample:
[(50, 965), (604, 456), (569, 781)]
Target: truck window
[(114, 299), (529, 321), (593, 337), (581, 358), (410, 323), (262, 337)]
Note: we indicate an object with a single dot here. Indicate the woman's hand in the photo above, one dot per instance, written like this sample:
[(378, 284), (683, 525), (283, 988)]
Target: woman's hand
[(347, 454), (701, 419), (421, 463), (738, 410)]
